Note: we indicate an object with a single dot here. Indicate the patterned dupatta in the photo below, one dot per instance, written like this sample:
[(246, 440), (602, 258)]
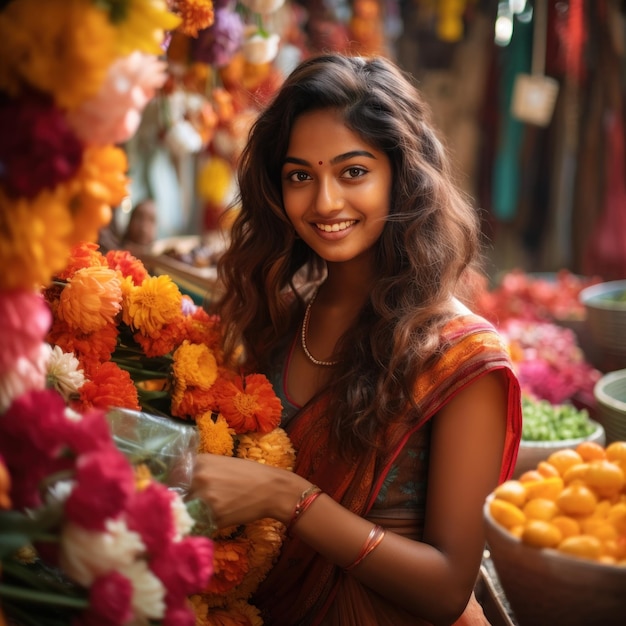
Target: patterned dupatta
[(302, 584)]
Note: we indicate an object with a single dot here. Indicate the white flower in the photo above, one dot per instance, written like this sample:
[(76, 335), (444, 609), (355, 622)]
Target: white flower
[(259, 49), (182, 138), (263, 6), (148, 591), (87, 554), (64, 373), (183, 522)]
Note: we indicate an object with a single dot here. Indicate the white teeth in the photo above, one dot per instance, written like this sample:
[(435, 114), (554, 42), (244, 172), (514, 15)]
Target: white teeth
[(334, 228)]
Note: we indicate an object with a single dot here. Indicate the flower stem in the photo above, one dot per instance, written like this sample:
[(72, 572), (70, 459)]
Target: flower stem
[(41, 597)]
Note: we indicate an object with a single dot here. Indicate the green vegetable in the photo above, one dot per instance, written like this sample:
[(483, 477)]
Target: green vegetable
[(544, 421)]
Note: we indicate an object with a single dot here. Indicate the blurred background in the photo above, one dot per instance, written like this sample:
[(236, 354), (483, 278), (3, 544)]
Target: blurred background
[(527, 95)]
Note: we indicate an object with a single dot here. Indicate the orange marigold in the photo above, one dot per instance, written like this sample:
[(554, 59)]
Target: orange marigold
[(189, 402), (204, 328), (248, 403), (196, 14), (163, 341), (91, 299), (83, 254), (110, 386), (100, 184), (216, 437), (127, 265), (230, 563), (195, 365), (236, 613), (154, 303), (273, 448)]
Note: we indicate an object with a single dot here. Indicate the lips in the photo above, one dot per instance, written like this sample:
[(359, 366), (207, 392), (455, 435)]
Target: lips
[(336, 227)]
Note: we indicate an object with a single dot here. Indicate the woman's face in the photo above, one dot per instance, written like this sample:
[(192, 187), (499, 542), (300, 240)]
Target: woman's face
[(336, 187)]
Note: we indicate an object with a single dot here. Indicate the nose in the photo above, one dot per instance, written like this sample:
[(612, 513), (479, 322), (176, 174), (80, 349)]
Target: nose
[(329, 198)]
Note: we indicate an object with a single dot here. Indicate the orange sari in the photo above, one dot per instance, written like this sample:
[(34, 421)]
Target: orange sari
[(304, 589)]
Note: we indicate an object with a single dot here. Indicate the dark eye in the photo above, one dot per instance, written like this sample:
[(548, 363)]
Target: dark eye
[(298, 177), (355, 172)]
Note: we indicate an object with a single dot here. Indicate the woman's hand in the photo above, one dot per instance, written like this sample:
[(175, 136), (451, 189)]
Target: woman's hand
[(239, 491)]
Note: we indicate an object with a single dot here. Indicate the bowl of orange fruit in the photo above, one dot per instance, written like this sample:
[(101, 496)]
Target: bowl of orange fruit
[(557, 538)]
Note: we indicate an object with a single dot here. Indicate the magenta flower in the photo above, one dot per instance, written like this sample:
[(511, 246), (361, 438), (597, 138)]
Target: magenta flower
[(110, 598), (105, 484)]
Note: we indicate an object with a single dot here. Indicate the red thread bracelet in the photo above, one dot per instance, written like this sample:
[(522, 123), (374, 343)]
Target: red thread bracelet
[(306, 499), (373, 540)]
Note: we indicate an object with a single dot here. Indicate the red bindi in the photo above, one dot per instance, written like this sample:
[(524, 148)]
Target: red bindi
[(321, 162)]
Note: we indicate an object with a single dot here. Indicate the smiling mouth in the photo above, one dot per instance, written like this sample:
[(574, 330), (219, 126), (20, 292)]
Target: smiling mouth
[(335, 228)]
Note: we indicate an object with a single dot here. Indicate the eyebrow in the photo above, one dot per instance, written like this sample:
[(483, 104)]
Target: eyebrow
[(338, 159)]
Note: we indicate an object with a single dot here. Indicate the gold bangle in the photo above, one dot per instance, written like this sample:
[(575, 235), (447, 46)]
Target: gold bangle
[(306, 499), (373, 541)]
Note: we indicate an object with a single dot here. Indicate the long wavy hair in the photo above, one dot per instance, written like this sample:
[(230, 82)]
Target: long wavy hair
[(429, 243)]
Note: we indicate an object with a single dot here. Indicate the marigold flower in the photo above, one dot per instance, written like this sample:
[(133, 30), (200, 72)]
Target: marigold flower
[(33, 239), (83, 254), (91, 299), (273, 448), (99, 184), (143, 25), (216, 436), (5, 486), (248, 404), (38, 149), (188, 402), (195, 365), (110, 386), (196, 15), (156, 302), (231, 564), (163, 341), (235, 613), (60, 47), (127, 265), (200, 327)]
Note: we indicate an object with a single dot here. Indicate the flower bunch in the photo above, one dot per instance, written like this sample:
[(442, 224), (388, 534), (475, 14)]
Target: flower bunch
[(121, 540), (133, 341)]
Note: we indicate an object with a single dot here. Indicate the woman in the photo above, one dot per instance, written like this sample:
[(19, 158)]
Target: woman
[(342, 283)]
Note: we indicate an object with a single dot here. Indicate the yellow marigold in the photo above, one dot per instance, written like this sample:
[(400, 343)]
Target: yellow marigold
[(248, 404), (143, 477), (100, 184), (142, 26), (33, 240), (61, 47), (273, 448), (216, 437), (128, 289), (196, 15), (91, 299), (154, 303), (83, 254), (195, 364)]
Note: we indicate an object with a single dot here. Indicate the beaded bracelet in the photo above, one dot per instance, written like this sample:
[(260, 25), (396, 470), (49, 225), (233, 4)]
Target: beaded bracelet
[(306, 499), (373, 540)]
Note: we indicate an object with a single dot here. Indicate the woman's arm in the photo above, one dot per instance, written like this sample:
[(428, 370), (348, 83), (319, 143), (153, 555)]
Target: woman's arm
[(433, 579)]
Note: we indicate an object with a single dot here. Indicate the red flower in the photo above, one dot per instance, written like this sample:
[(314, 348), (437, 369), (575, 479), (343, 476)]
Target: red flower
[(105, 484), (150, 514), (127, 264), (110, 386), (38, 149), (110, 601)]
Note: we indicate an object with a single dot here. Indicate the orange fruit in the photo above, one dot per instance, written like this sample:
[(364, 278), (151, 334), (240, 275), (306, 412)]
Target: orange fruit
[(605, 477), (567, 525), (512, 491), (541, 534), (591, 451), (505, 513), (548, 488), (602, 529), (577, 499), (530, 475), (617, 517), (575, 473), (564, 459), (584, 546), (540, 508), (546, 469), (616, 451)]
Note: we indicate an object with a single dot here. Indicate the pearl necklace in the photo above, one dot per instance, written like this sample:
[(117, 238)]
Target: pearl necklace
[(305, 326)]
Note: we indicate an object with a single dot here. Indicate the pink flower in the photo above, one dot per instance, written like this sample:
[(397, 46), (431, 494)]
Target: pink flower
[(110, 599), (24, 321), (105, 483), (113, 115), (90, 433), (179, 616), (27, 373), (38, 149), (185, 567), (150, 514)]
